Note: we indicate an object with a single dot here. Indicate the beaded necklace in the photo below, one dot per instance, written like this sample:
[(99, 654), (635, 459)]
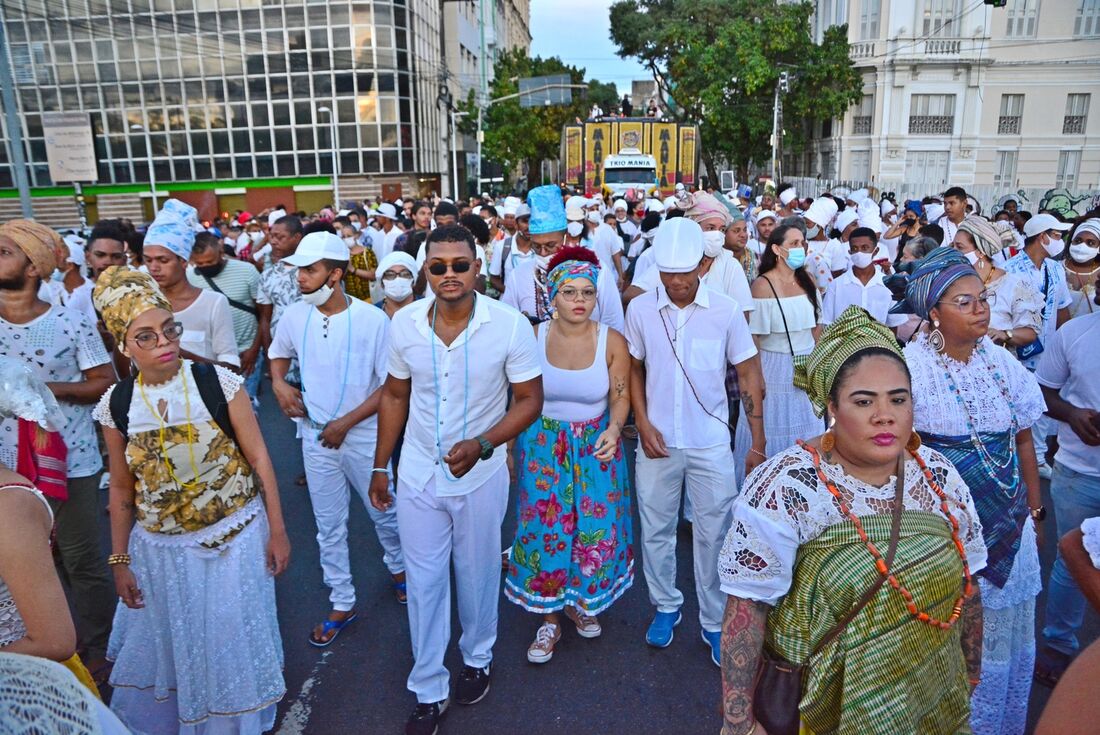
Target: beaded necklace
[(190, 435), (989, 462), (880, 563)]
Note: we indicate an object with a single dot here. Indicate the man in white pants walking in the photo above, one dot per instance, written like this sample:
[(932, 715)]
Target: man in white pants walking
[(451, 362), (682, 335), (340, 344)]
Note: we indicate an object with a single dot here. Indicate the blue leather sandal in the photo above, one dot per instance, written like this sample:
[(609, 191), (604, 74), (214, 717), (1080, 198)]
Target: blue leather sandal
[(331, 626)]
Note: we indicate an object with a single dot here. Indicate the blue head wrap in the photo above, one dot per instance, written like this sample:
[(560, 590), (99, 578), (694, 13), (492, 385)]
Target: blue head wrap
[(931, 278), (174, 228), (547, 209), (568, 270)]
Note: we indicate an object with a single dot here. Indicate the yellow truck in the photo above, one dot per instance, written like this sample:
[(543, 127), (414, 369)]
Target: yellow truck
[(629, 156)]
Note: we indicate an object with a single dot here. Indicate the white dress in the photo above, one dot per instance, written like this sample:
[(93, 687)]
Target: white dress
[(999, 703)]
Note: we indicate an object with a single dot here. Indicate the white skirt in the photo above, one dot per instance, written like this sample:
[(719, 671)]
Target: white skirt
[(204, 656), (788, 414)]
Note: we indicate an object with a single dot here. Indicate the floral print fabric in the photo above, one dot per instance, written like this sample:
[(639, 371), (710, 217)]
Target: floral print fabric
[(573, 538)]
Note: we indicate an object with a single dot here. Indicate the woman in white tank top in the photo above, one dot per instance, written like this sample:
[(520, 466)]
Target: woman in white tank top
[(572, 550)]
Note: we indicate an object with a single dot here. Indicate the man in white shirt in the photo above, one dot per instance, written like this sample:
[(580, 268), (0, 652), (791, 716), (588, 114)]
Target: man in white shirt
[(387, 218), (514, 250), (627, 225), (681, 336), (605, 242), (69, 287), (825, 259), (1067, 375), (340, 344), (861, 285), (453, 478)]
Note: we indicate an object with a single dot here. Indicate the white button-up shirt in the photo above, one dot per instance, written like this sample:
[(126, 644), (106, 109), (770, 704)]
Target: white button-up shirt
[(685, 353), (848, 290), (459, 391)]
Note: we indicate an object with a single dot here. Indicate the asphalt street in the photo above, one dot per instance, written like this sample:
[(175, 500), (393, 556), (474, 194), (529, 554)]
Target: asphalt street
[(614, 684)]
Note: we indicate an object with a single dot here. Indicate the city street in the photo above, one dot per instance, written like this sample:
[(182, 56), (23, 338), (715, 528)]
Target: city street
[(614, 684)]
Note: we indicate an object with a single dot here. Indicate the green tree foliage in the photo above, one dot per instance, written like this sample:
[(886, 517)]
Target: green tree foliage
[(604, 94), (516, 135), (718, 62)]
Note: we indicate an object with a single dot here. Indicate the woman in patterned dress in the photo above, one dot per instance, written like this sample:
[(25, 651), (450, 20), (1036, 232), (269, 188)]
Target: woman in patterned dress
[(196, 641)]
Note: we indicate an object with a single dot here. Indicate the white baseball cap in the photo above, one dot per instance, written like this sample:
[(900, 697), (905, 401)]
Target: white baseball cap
[(678, 245), (387, 210), (319, 246), (1043, 222)]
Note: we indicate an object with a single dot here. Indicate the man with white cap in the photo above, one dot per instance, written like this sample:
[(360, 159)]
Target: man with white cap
[(681, 336), (628, 226), (386, 217), (340, 344), (1043, 242), (68, 286), (514, 250), (764, 221), (508, 215), (826, 259)]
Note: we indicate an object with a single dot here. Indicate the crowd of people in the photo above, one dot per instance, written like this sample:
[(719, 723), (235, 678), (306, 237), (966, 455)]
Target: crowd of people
[(852, 400)]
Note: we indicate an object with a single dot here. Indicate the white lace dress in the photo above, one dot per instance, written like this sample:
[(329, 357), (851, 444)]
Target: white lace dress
[(999, 704)]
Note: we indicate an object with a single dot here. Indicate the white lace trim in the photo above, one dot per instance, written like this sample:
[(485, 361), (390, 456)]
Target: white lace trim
[(784, 505), (206, 536), (172, 394), (935, 408), (1091, 530)]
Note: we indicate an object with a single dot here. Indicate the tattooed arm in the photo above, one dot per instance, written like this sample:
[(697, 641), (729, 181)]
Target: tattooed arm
[(751, 382), (618, 372), (742, 642), (971, 628)]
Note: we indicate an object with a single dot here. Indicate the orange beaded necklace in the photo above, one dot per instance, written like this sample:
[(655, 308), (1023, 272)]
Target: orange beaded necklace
[(880, 563)]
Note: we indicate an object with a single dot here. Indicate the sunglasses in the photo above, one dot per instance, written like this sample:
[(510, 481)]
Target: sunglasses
[(459, 266)]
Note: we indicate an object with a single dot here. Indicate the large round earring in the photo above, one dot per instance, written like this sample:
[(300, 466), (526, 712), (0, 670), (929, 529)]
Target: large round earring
[(935, 337), (554, 314), (828, 441), (914, 443)]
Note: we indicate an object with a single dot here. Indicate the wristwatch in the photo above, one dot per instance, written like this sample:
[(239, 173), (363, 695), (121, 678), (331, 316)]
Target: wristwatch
[(486, 448), (1008, 337), (1038, 514)]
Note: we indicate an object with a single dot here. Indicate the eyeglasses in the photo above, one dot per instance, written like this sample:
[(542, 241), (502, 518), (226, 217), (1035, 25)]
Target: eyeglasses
[(577, 294), (967, 303), (459, 266), (542, 248), (149, 339), (392, 275)]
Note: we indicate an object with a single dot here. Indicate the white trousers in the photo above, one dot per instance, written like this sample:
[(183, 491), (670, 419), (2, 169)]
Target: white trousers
[(708, 475), (331, 473), (435, 530)]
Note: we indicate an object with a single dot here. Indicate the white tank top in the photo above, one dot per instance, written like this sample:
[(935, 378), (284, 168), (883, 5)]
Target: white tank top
[(575, 395)]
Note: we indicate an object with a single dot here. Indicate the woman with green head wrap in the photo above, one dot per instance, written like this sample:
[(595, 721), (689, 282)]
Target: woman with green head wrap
[(812, 536)]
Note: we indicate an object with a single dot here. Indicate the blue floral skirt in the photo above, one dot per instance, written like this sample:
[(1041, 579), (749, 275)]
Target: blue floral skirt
[(573, 537)]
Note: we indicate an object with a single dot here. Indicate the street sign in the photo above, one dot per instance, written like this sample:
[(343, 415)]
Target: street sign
[(70, 151), (543, 91)]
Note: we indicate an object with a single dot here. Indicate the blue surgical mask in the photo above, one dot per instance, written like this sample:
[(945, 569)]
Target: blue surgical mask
[(796, 258), (57, 275)]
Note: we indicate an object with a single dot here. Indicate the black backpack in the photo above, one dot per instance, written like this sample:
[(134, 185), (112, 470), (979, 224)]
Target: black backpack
[(210, 388)]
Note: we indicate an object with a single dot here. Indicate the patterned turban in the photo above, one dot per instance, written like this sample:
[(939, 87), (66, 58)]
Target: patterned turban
[(855, 331), (986, 237), (931, 277), (38, 242), (701, 205), (568, 267), (174, 228), (122, 295)]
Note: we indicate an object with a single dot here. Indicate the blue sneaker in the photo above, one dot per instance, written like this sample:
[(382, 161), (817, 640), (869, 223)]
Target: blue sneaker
[(659, 634), (714, 640)]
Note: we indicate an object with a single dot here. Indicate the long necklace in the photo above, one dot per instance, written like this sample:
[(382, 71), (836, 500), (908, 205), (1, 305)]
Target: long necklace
[(163, 428), (989, 462), (465, 386), (347, 365), (880, 563)]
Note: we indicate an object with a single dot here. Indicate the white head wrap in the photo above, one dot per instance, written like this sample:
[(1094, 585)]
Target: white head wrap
[(174, 228), (821, 211), (788, 196), (397, 257), (678, 245), (845, 218)]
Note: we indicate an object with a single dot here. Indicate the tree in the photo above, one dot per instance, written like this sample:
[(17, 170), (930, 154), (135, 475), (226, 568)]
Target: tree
[(718, 62), (604, 94), (513, 134)]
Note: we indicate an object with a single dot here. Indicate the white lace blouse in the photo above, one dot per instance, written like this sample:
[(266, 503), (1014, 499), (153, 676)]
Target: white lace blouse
[(989, 400), (1017, 305), (784, 505), (170, 394)]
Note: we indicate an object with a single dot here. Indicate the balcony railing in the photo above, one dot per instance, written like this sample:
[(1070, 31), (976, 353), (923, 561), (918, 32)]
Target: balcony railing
[(861, 125), (931, 124), (1008, 125), (942, 46), (1073, 125), (862, 50)]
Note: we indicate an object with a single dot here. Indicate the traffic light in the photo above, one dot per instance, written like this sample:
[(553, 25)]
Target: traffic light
[(784, 82), (997, 3)]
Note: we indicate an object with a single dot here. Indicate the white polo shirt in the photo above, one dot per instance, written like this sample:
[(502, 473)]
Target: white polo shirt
[(459, 391), (847, 290), (700, 339), (1068, 364)]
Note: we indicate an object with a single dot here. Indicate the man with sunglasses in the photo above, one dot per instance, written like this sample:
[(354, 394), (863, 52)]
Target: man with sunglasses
[(525, 288), (452, 479)]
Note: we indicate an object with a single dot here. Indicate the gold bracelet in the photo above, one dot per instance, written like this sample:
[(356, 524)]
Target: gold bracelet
[(115, 559)]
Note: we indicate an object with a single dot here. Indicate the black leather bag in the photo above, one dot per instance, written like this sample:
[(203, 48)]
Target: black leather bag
[(778, 681)]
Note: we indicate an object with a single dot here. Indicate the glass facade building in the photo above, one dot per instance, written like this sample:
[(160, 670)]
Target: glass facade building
[(225, 90)]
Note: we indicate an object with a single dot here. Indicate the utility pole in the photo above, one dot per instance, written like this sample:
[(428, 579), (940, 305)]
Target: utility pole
[(15, 132), (782, 84), (482, 92)]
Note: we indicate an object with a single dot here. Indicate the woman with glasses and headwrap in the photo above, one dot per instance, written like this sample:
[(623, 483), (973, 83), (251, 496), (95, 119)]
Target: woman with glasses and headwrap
[(812, 535), (975, 403), (1016, 308)]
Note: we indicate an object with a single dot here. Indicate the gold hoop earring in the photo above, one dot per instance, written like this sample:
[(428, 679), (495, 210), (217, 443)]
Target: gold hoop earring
[(914, 443)]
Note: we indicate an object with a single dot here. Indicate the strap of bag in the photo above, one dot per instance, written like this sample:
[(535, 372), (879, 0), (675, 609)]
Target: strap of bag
[(208, 385), (232, 302), (781, 314), (119, 404), (895, 535)]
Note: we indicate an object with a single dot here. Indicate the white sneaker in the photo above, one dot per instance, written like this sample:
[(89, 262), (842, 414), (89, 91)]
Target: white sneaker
[(542, 649)]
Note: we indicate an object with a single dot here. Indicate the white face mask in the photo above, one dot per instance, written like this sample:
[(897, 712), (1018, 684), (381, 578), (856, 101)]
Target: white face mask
[(620, 215), (357, 225), (1082, 253), (318, 297), (1054, 247), (593, 217), (574, 229), (713, 242), (256, 237), (542, 261), (861, 260), (972, 256), (349, 241), (398, 289)]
